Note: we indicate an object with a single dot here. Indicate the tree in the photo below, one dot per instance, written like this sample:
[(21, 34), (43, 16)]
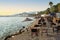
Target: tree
[(55, 9), (47, 11), (51, 4), (41, 12), (58, 6), (52, 9)]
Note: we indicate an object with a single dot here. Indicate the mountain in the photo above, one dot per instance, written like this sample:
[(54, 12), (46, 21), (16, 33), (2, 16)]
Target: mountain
[(24, 14)]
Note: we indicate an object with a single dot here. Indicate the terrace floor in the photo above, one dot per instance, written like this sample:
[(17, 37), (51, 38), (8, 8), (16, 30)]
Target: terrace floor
[(41, 36)]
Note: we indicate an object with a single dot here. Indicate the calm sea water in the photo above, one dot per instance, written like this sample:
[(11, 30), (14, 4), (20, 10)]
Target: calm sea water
[(10, 25)]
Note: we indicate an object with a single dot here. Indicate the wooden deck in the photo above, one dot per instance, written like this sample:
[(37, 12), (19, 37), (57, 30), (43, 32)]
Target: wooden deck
[(42, 36)]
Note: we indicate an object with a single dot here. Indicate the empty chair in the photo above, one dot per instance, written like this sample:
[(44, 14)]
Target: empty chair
[(36, 25), (39, 22), (34, 31), (53, 23), (58, 21), (44, 23), (57, 29)]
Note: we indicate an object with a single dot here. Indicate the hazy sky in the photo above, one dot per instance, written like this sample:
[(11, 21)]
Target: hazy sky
[(8, 7)]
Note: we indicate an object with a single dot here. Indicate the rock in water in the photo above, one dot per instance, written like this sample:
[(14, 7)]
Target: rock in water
[(27, 19)]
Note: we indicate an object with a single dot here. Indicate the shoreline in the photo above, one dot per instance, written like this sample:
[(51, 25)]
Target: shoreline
[(20, 31)]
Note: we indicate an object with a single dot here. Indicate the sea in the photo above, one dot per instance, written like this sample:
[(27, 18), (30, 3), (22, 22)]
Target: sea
[(10, 25)]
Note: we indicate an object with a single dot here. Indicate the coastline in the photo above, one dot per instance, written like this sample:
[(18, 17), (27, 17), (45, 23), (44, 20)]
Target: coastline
[(21, 31), (11, 29)]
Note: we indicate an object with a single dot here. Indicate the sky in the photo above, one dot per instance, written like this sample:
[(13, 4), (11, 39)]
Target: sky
[(9, 7)]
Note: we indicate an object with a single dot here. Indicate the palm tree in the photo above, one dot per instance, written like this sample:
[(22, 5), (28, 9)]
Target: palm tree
[(51, 4)]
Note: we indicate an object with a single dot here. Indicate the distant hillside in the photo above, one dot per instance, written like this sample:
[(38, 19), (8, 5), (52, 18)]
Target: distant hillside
[(24, 14)]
